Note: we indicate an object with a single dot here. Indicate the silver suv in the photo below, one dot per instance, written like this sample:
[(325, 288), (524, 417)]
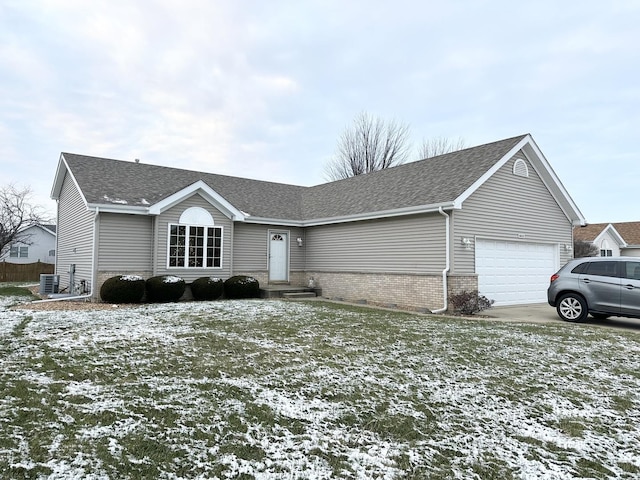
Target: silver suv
[(600, 286)]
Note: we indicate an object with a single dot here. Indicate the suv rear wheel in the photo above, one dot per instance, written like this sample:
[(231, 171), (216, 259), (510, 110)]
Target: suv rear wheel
[(572, 308)]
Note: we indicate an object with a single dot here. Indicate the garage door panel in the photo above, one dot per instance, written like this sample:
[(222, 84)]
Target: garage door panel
[(515, 272)]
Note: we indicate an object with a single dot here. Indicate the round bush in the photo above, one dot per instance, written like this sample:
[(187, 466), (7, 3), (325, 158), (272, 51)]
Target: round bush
[(122, 289), (241, 286), (207, 288), (165, 288)]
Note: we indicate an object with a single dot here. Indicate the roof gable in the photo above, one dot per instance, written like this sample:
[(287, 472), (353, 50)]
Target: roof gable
[(206, 192)]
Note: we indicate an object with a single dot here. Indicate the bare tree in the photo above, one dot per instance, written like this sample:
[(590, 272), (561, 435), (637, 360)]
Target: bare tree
[(16, 213), (582, 248), (439, 146), (369, 145)]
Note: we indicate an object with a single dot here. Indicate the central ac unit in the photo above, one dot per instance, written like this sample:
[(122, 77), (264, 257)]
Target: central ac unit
[(49, 284)]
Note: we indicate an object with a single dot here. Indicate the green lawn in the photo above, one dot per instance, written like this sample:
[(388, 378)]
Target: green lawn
[(291, 390)]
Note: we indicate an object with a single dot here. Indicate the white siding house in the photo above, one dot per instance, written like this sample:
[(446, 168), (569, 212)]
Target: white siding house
[(37, 243), (493, 217)]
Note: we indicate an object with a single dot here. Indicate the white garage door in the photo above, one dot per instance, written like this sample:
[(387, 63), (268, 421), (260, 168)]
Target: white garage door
[(515, 272)]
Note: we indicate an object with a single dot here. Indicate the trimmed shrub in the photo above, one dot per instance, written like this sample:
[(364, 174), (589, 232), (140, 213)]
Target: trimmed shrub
[(165, 288), (469, 303), (241, 286), (207, 288), (123, 289)]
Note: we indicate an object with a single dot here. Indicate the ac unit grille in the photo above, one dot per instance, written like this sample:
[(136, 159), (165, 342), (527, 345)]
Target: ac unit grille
[(49, 284)]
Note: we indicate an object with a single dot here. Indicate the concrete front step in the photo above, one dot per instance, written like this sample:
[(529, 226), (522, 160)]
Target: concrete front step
[(299, 295), (290, 291)]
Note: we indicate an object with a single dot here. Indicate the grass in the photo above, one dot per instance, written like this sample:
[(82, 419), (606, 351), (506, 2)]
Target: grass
[(255, 389)]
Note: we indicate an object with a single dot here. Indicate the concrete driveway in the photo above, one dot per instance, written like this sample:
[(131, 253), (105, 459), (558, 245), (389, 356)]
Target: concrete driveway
[(535, 312), (544, 313)]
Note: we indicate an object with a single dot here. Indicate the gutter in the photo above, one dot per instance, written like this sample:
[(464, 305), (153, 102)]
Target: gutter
[(447, 263)]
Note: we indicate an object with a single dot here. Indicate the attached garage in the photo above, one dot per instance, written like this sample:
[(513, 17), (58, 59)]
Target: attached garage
[(513, 273)]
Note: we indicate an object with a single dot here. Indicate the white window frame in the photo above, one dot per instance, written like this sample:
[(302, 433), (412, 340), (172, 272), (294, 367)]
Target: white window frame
[(605, 249), (190, 254)]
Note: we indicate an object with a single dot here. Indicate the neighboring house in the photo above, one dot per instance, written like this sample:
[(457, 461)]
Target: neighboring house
[(611, 239), (493, 217), (38, 245)]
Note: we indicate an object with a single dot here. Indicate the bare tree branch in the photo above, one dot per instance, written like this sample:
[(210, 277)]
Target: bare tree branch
[(369, 145), (16, 213), (582, 248), (439, 146)]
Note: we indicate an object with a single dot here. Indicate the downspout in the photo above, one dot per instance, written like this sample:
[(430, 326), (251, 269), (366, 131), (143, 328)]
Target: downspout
[(94, 251), (447, 261)]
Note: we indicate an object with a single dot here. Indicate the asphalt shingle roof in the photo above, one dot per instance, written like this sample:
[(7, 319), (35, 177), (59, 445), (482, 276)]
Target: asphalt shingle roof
[(431, 181), (117, 182), (629, 231)]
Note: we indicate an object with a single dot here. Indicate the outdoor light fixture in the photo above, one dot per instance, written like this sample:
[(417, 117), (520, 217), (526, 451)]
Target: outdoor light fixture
[(466, 242), (567, 247), (299, 240)]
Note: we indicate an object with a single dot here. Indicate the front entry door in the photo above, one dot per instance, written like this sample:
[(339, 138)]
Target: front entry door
[(278, 257)]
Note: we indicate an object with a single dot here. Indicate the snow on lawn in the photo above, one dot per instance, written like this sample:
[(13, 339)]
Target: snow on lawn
[(273, 390)]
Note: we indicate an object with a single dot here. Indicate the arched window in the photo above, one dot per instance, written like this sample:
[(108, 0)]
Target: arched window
[(196, 216), (195, 242), (605, 249)]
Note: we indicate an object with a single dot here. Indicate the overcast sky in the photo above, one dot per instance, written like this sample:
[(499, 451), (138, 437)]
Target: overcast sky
[(263, 89)]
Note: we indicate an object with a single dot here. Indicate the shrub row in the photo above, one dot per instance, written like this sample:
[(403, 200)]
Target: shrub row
[(169, 288)]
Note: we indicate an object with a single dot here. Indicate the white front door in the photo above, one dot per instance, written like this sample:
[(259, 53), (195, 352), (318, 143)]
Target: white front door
[(278, 257)]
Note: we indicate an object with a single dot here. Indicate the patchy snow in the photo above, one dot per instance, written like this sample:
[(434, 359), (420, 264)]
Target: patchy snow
[(114, 200), (172, 279), (273, 390), (131, 278)]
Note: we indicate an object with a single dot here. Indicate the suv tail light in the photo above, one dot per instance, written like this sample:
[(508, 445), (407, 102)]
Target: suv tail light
[(554, 277)]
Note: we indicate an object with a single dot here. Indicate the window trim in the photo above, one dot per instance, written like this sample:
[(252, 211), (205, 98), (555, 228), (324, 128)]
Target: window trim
[(205, 247)]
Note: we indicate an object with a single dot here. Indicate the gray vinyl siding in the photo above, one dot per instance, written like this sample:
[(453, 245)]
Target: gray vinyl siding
[(509, 207), (250, 247), (75, 235), (172, 215), (125, 242), (412, 244)]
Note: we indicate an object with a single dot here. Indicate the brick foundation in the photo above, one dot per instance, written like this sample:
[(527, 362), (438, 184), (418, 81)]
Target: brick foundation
[(413, 292), (461, 283)]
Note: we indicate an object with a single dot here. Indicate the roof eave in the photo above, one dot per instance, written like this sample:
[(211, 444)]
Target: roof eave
[(58, 179), (414, 210), (113, 208)]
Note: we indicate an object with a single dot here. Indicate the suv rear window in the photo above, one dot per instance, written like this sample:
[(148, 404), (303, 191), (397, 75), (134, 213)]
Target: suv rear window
[(603, 269), (580, 268)]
